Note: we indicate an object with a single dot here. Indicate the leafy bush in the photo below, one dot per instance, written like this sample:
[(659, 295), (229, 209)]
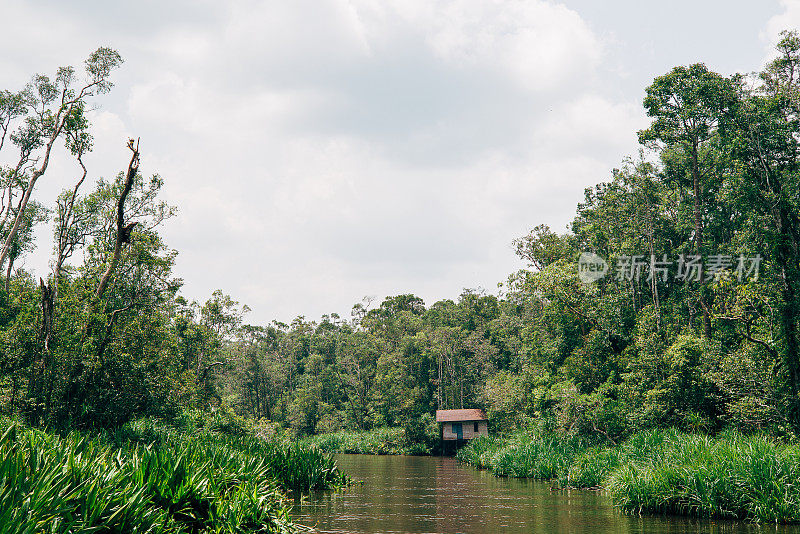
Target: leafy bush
[(377, 441)]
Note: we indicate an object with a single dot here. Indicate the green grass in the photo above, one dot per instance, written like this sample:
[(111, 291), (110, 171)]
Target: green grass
[(730, 476), (660, 471), (149, 478), (295, 467), (376, 441), (525, 455)]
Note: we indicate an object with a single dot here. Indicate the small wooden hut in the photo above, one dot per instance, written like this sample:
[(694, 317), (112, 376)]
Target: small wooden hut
[(459, 425)]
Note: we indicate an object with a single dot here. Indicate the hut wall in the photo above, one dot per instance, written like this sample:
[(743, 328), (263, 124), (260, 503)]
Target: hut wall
[(467, 428)]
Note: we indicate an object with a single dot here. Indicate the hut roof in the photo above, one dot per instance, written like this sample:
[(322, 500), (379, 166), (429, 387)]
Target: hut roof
[(473, 414)]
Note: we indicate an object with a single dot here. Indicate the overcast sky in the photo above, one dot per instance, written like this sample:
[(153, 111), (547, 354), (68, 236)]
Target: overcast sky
[(321, 151)]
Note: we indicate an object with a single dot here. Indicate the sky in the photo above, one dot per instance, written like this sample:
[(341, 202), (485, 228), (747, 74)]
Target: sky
[(323, 151)]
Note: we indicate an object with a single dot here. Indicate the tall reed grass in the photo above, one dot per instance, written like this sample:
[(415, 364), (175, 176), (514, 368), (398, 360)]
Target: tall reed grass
[(660, 471), (730, 476), (526, 455)]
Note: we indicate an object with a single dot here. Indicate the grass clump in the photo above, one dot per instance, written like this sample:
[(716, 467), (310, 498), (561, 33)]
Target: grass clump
[(590, 468), (527, 455), (731, 476), (481, 452), (295, 467), (148, 478), (660, 471)]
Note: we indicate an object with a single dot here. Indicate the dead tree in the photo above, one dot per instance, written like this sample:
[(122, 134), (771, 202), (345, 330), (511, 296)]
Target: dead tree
[(123, 230)]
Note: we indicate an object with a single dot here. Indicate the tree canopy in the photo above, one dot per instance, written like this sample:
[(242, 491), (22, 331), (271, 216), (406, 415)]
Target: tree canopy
[(695, 324)]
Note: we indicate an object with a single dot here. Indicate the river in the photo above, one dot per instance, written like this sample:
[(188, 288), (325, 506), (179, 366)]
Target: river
[(412, 494)]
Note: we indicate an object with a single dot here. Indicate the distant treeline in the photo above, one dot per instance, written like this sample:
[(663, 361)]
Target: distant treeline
[(655, 342)]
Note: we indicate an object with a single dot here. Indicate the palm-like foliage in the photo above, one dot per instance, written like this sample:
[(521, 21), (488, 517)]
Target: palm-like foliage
[(170, 483)]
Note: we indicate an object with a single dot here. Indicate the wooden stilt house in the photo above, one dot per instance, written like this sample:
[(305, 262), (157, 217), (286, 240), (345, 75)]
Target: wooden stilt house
[(459, 425)]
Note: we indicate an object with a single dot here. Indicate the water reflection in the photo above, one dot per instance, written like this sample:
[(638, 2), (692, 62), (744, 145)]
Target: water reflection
[(407, 494)]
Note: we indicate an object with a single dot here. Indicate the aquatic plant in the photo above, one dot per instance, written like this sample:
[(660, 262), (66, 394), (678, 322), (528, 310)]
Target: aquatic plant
[(148, 478), (590, 468), (660, 471), (526, 455), (481, 451), (730, 476)]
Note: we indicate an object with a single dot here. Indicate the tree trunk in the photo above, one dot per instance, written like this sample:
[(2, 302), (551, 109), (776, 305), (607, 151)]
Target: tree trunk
[(8, 276), (786, 254), (698, 233), (123, 232), (698, 218), (47, 330)]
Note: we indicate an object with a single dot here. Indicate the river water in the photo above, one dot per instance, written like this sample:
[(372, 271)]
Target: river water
[(412, 494)]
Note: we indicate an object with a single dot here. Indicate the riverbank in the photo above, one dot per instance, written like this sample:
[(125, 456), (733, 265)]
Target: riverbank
[(399, 493), (378, 441), (150, 477), (660, 471)]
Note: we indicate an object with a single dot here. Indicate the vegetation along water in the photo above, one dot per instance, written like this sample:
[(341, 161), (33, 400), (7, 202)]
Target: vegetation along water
[(651, 350), (438, 494)]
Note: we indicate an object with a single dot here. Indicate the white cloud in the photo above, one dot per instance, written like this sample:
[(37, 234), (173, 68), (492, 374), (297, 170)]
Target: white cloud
[(323, 150), (787, 19), (537, 44), (589, 125), (541, 46)]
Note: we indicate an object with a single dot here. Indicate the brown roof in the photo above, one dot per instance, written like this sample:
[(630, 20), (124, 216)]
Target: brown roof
[(474, 414)]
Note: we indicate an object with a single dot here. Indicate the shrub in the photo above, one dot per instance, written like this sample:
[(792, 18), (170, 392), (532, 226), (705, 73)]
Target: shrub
[(376, 441)]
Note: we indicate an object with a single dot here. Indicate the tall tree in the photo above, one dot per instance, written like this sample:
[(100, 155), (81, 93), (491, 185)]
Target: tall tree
[(764, 140), (687, 105), (52, 110)]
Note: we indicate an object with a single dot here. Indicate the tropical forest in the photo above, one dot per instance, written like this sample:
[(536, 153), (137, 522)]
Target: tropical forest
[(650, 352)]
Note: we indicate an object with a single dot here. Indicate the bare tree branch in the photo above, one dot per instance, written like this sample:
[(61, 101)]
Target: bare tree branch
[(123, 232)]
